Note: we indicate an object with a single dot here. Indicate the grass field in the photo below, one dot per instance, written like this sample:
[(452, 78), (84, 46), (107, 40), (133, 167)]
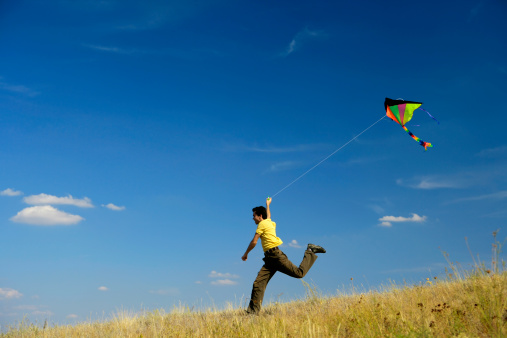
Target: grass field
[(463, 304)]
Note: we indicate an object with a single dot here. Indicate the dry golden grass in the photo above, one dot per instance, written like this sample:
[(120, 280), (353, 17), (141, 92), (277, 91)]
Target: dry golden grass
[(465, 304), (472, 306)]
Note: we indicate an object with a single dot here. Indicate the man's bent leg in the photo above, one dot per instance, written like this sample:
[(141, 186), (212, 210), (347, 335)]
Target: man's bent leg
[(258, 289), (286, 266)]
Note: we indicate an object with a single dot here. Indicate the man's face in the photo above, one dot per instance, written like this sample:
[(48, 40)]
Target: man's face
[(257, 219)]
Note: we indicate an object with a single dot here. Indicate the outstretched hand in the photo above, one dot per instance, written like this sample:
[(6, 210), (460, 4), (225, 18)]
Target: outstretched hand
[(268, 201)]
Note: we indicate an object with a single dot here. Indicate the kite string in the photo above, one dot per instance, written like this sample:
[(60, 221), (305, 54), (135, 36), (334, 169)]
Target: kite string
[(334, 152)]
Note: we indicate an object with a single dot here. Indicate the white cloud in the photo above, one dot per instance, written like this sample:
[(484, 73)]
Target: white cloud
[(102, 288), (224, 282), (72, 316), (198, 282), (294, 244), (44, 199), (113, 207), (215, 274), (45, 215), (387, 221), (10, 192), (6, 293)]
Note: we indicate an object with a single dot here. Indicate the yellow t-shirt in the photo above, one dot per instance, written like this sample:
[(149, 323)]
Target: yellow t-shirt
[(266, 229)]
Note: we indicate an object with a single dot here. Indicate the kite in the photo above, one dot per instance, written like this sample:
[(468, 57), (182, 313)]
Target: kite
[(401, 111)]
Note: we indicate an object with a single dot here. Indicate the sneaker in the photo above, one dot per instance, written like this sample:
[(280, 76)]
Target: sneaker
[(316, 248)]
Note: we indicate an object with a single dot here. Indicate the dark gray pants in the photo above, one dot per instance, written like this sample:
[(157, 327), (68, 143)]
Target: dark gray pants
[(275, 261)]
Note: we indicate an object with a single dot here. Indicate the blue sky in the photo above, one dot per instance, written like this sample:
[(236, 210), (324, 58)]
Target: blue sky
[(137, 136)]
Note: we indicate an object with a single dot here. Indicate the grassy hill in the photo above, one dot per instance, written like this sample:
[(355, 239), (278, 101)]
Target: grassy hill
[(471, 306), (462, 304)]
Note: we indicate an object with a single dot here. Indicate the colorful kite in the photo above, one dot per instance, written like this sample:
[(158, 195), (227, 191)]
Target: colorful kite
[(401, 111)]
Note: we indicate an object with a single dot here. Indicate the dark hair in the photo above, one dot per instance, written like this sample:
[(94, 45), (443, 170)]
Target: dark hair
[(260, 211)]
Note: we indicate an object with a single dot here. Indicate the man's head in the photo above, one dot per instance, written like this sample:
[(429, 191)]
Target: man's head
[(259, 214)]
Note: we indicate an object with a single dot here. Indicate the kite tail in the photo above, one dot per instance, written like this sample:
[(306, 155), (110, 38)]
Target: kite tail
[(421, 142), (427, 112)]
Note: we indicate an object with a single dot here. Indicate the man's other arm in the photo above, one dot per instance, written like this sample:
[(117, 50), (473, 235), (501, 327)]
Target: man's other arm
[(252, 245)]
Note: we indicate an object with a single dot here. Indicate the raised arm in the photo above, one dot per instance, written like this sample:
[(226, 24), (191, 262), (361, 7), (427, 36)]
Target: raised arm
[(268, 202)]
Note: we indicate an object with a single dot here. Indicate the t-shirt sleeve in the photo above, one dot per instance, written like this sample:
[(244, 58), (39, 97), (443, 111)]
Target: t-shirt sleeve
[(260, 229)]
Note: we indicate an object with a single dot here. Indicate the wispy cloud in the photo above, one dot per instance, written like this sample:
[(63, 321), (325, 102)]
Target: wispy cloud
[(6, 293), (294, 244), (465, 178), (110, 49), (377, 208), (138, 15), (501, 213), (388, 220), (185, 54), (43, 313), (362, 160), (432, 182), (494, 196), (435, 266), (35, 310), (26, 307), (44, 199), (302, 38), (103, 288), (379, 205), (72, 316), (82, 5), (272, 149), (224, 282), (166, 292), (45, 215), (475, 11), (282, 166), (113, 207), (493, 152), (10, 192), (155, 14), (19, 89)]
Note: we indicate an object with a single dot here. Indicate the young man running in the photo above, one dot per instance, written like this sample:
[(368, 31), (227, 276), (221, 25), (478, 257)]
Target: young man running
[(274, 259)]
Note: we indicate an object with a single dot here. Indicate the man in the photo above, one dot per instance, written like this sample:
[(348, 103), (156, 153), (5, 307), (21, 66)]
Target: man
[(274, 259)]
